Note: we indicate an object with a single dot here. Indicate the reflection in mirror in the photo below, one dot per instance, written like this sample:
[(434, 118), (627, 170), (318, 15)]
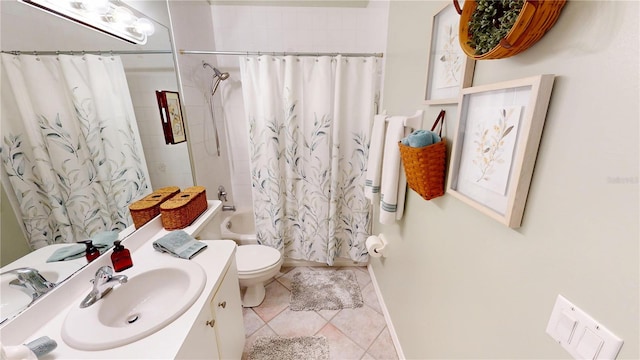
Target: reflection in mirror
[(38, 111)]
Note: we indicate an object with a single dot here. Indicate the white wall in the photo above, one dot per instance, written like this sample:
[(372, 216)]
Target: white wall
[(459, 284), (283, 29), (193, 30), (167, 163)]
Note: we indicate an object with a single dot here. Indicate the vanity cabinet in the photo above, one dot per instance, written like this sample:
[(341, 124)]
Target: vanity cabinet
[(227, 309), (218, 332)]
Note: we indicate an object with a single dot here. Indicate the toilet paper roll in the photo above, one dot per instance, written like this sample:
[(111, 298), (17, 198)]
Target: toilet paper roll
[(375, 246)]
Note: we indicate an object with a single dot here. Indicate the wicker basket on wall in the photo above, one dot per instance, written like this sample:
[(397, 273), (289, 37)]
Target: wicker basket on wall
[(535, 19), (425, 167)]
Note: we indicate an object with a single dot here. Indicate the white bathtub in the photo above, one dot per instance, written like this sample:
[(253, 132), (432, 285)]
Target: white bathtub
[(239, 226)]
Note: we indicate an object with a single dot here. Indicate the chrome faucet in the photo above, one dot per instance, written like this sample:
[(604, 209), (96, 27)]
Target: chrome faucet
[(102, 284), (30, 281), (222, 194)]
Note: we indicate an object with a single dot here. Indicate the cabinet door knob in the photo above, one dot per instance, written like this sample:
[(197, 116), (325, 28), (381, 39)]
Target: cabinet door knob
[(211, 322), (222, 304)]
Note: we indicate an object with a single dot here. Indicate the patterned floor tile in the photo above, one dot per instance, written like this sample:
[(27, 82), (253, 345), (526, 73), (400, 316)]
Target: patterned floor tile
[(382, 347), (359, 333), (252, 321), (362, 325), (297, 323), (263, 331), (275, 301), (362, 275), (286, 279), (370, 298), (340, 346)]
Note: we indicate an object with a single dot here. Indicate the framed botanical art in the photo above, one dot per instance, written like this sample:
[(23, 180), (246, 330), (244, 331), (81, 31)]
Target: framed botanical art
[(496, 143), (450, 69), (171, 117)]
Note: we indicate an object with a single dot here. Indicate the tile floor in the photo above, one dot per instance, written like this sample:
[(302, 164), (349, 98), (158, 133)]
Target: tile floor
[(359, 333)]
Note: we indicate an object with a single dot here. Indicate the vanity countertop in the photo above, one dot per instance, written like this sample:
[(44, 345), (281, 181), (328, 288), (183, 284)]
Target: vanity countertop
[(46, 317), (166, 342)]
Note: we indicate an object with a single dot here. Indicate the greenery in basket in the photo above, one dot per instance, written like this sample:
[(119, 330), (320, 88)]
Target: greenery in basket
[(490, 23)]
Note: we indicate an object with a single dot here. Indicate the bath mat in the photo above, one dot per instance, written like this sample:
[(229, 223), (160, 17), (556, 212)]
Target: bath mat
[(325, 290), (289, 348)]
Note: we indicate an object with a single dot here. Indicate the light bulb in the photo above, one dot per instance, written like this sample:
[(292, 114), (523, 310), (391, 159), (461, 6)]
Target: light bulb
[(96, 6), (144, 26), (124, 16)]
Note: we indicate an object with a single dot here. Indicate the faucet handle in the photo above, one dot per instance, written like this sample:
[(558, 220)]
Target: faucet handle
[(103, 274), (30, 281), (222, 194)]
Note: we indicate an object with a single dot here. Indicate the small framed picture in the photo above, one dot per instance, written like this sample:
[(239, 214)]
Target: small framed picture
[(496, 143), (171, 117), (449, 69)]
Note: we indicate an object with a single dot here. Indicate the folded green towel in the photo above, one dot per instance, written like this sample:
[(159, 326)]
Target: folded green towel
[(102, 241), (179, 244)]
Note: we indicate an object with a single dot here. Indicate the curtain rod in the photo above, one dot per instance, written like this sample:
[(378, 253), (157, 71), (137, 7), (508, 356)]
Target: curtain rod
[(188, 52), (82, 52)]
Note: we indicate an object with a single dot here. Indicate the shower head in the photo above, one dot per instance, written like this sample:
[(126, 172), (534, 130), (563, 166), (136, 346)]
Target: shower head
[(218, 75), (221, 75)]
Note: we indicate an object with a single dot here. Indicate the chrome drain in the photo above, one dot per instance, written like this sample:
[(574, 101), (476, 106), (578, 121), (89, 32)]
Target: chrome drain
[(133, 318)]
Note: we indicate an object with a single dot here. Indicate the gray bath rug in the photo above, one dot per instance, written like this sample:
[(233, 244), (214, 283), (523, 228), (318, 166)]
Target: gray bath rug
[(289, 348), (325, 290)]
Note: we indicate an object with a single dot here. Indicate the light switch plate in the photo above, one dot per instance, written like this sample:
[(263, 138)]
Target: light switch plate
[(584, 339)]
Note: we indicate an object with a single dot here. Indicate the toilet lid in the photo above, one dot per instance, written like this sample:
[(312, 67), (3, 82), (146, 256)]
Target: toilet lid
[(250, 258)]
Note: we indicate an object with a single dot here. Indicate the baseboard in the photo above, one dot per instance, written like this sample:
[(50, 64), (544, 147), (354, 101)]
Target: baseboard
[(337, 262), (387, 317)]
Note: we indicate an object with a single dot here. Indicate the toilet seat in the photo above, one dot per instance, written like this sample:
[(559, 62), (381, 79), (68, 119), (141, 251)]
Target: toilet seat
[(256, 258)]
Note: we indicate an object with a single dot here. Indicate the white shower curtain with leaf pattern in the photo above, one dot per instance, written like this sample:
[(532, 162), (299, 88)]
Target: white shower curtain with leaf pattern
[(71, 152), (309, 124)]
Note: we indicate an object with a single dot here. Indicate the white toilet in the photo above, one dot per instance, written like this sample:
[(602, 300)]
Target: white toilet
[(256, 265)]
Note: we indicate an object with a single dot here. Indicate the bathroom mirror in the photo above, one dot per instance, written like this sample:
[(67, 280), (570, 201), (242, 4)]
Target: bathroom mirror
[(27, 29)]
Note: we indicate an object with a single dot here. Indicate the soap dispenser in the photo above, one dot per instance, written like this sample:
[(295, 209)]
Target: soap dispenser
[(91, 253), (121, 257)]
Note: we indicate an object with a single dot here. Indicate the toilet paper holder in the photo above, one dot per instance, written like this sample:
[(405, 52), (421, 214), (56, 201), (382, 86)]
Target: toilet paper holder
[(376, 245)]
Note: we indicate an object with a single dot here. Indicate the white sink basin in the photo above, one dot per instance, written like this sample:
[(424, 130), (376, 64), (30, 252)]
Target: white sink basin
[(146, 303), (15, 300)]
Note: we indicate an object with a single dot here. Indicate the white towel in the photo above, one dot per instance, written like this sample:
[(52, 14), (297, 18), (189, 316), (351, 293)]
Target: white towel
[(393, 185), (374, 163)]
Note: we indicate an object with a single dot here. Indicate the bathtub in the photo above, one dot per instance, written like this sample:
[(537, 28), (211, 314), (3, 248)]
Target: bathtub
[(239, 226)]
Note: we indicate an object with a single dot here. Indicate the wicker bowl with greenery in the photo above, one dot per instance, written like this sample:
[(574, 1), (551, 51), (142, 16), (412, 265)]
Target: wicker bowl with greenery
[(496, 29)]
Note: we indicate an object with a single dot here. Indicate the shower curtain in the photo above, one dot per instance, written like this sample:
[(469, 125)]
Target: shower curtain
[(71, 150), (309, 124)]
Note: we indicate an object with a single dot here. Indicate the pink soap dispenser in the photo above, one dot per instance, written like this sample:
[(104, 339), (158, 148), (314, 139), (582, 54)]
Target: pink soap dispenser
[(121, 257)]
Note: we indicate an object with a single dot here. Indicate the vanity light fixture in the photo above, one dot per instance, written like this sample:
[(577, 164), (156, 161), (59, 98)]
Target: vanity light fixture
[(108, 16)]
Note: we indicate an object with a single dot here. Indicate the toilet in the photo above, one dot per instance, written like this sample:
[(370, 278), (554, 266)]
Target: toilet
[(256, 264)]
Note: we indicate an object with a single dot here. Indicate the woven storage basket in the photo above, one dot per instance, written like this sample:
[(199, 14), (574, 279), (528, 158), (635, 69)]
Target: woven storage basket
[(535, 19), (425, 167), (142, 211), (183, 208), (162, 194)]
